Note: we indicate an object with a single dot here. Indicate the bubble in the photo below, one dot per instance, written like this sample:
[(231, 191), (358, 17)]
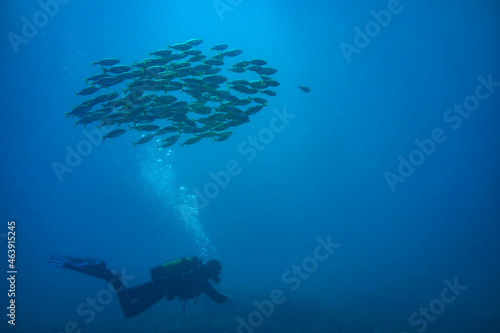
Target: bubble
[(159, 179)]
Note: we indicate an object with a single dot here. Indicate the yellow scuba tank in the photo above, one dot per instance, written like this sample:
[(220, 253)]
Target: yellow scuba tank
[(174, 268)]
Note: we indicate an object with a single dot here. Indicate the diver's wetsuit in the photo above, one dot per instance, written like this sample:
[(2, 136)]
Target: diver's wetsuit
[(136, 299)]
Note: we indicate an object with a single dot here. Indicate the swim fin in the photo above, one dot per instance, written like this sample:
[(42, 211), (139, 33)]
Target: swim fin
[(96, 268)]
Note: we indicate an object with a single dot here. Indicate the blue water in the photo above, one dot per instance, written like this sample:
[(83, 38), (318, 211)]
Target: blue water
[(326, 174)]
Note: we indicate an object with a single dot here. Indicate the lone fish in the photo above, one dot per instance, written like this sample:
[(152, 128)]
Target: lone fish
[(305, 89)]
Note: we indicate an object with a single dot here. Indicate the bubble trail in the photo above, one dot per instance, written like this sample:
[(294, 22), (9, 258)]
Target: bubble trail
[(159, 177)]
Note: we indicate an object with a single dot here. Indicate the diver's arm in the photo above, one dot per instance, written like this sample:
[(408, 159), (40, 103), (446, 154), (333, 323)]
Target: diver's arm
[(214, 294)]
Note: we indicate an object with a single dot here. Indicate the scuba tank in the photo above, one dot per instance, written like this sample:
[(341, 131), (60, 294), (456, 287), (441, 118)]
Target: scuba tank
[(174, 268)]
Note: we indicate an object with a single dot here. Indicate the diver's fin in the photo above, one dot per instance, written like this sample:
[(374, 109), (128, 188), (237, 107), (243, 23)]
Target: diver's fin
[(196, 299), (95, 268)]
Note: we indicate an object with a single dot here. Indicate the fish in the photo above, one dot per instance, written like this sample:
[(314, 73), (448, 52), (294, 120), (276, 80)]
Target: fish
[(242, 64), (146, 127), (272, 83), (169, 141), (240, 88), (190, 122), (203, 101), (267, 71), (166, 99), (214, 79), (153, 71), (256, 84), (88, 119), (232, 53), (194, 42), (221, 127), (104, 110), (257, 62), (253, 110), (161, 53), (96, 77), (102, 98), (216, 116), (178, 105), (223, 136), (168, 129), (213, 62), (239, 115), (108, 80), (197, 58), (165, 145), (243, 101), (144, 139), (106, 62), (232, 99), (206, 121), (227, 108), (251, 91), (179, 65), (177, 56), (254, 68), (208, 134), (125, 76), (202, 110), (185, 71), (87, 91), (202, 67), (237, 122), (191, 141), (269, 92), (239, 82), (213, 70), (156, 61), (219, 47), (117, 69), (259, 100), (115, 133), (193, 52), (190, 129), (305, 89), (181, 46)]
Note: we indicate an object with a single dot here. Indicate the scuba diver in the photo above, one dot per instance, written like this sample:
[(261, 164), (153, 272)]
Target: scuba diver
[(184, 278)]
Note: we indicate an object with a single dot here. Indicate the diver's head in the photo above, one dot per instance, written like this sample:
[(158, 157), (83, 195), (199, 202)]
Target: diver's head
[(214, 269)]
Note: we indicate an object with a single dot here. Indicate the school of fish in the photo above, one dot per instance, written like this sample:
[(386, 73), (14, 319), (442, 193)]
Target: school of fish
[(176, 92)]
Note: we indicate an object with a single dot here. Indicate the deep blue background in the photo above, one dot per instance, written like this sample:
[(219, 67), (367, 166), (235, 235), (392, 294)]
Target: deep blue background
[(322, 175)]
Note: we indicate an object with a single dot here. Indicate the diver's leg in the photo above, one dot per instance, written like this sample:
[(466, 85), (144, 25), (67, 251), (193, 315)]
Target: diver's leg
[(96, 268), (136, 299)]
